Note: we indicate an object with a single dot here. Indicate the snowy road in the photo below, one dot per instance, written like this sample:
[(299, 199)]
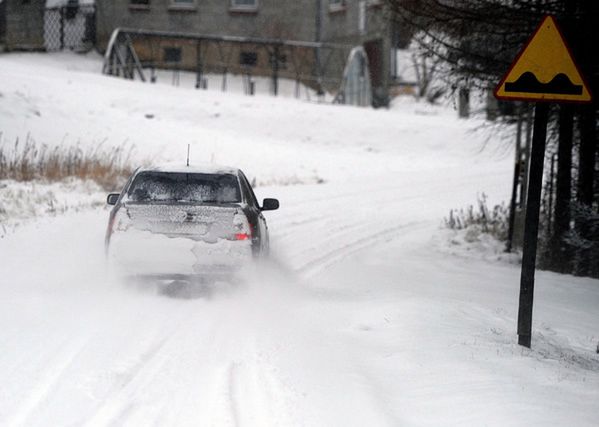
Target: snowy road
[(355, 325), (247, 355), (364, 318)]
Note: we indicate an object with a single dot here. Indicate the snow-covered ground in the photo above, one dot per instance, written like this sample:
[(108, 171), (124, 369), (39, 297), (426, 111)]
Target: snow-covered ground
[(22, 202), (367, 314)]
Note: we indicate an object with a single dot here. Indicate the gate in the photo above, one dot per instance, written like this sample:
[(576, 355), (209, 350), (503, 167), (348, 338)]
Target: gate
[(70, 27), (2, 24)]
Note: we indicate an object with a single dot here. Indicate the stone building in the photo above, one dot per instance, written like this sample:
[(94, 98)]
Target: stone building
[(22, 24), (345, 23)]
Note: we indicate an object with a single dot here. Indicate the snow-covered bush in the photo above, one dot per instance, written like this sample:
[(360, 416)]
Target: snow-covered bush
[(24, 201), (480, 219)]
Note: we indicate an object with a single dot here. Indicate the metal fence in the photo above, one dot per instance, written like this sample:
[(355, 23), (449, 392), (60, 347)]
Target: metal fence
[(70, 27), (2, 22), (131, 53)]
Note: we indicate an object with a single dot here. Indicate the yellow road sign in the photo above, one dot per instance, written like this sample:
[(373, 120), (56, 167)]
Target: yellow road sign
[(544, 70)]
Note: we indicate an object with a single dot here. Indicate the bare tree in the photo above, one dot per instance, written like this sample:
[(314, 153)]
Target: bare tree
[(477, 40)]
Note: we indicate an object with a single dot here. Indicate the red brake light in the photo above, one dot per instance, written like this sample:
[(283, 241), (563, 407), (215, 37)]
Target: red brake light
[(242, 236)]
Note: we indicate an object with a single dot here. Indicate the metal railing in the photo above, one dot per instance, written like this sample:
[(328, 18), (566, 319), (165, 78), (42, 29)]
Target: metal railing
[(131, 53)]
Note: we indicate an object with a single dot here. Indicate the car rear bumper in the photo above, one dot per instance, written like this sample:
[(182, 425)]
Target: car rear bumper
[(142, 253)]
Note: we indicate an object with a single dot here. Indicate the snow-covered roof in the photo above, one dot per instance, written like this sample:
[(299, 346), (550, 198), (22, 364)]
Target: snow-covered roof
[(59, 3), (192, 168)]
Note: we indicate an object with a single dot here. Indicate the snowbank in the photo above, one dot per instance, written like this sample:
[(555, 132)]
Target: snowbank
[(22, 202)]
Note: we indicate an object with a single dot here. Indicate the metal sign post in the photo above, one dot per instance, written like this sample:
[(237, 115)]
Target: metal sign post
[(544, 71), (531, 226)]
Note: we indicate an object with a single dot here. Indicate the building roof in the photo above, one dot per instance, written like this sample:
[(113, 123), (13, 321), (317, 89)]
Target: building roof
[(60, 3)]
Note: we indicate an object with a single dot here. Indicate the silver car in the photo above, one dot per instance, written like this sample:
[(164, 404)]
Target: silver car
[(172, 221)]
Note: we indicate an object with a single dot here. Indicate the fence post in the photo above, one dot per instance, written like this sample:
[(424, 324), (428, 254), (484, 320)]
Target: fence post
[(319, 88), (275, 71), (62, 9), (200, 67), (297, 87)]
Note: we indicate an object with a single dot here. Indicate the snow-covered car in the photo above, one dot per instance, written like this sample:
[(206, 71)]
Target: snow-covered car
[(179, 220)]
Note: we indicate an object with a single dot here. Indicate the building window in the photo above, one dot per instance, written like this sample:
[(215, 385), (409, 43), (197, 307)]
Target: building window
[(362, 16), (139, 4), (336, 5), (244, 5), (172, 55), (281, 61), (182, 4), (248, 59)]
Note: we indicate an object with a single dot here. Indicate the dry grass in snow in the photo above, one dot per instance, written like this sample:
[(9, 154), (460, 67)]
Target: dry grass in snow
[(29, 160)]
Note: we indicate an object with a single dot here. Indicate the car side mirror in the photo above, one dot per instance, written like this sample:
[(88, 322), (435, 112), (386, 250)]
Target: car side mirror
[(112, 198), (270, 205)]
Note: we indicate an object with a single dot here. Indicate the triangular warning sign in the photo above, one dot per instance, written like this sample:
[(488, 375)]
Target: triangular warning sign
[(544, 70)]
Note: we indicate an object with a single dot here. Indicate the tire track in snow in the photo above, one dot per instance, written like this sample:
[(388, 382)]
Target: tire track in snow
[(323, 261), (252, 393), (210, 371), (132, 373), (233, 394), (356, 232), (44, 387), (118, 406), (118, 403), (255, 396)]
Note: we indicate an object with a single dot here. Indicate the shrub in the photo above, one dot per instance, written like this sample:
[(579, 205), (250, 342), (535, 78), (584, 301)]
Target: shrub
[(108, 166), (480, 219)]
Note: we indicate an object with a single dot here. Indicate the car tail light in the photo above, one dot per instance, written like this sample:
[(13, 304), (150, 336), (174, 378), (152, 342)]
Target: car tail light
[(242, 227)]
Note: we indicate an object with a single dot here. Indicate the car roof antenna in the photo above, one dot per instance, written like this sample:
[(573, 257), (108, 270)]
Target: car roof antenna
[(188, 145)]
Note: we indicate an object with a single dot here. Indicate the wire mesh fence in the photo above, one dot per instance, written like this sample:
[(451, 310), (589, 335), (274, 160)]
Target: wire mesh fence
[(70, 27), (2, 22)]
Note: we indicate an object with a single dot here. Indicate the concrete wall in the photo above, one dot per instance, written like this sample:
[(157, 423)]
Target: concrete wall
[(286, 19), (290, 19), (24, 24)]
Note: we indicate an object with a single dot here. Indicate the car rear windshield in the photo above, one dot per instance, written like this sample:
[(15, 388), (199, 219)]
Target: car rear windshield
[(184, 188)]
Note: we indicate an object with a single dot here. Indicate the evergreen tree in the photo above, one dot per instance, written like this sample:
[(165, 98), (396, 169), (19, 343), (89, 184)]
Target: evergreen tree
[(478, 40)]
